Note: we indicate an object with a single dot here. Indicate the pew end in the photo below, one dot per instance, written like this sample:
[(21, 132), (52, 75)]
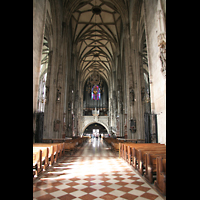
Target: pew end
[(37, 162), (160, 182)]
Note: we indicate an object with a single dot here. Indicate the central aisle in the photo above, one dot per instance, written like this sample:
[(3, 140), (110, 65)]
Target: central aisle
[(94, 172)]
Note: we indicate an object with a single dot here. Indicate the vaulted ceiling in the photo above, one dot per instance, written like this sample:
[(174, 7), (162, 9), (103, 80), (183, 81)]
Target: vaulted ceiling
[(96, 28)]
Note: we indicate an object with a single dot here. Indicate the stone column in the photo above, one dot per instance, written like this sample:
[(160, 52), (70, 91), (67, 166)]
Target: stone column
[(39, 17), (47, 107), (129, 79)]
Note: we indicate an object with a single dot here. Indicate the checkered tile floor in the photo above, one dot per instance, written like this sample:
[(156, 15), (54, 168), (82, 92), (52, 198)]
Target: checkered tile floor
[(94, 172)]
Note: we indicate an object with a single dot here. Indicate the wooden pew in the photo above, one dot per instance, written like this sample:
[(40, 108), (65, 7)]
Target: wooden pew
[(122, 147), (37, 162), (58, 140), (70, 147), (115, 146), (53, 152), (47, 141), (60, 149), (160, 181), (127, 140), (135, 152), (126, 152), (125, 147), (48, 153), (140, 140), (142, 157), (108, 141), (151, 165), (132, 150), (45, 156), (80, 141)]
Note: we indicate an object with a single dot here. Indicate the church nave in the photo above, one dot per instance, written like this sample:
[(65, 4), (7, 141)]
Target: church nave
[(99, 70), (93, 172)]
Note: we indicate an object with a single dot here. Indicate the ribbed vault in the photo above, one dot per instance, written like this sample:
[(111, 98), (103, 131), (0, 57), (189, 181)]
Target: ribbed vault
[(96, 28)]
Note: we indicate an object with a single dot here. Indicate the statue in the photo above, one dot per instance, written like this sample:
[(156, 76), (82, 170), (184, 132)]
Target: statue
[(132, 95), (161, 25), (162, 56), (58, 95)]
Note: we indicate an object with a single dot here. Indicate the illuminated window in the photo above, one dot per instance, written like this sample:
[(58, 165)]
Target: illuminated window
[(95, 94)]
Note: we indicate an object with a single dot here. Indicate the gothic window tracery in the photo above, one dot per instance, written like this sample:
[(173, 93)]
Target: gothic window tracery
[(95, 94)]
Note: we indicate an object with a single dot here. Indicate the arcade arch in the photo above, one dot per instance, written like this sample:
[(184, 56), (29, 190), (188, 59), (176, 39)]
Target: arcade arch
[(94, 122)]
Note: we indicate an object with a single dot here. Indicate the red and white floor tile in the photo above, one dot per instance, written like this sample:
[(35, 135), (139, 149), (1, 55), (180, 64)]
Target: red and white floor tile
[(94, 172)]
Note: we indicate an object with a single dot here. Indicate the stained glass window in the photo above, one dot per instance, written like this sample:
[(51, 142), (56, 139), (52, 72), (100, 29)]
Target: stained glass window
[(95, 94)]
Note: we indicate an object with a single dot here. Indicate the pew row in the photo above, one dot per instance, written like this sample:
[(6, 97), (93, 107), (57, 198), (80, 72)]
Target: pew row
[(127, 152), (44, 157), (46, 154), (49, 154), (70, 147), (149, 159), (114, 142), (138, 154), (53, 151)]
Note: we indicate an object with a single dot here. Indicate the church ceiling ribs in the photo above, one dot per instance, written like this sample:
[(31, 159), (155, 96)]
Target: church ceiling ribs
[(89, 34), (86, 76), (105, 76), (99, 66), (94, 51), (85, 64), (96, 26)]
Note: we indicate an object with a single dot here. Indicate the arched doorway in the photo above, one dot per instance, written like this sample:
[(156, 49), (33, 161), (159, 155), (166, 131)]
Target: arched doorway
[(95, 129)]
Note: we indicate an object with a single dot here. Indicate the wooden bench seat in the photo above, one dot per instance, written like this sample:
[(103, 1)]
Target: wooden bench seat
[(123, 148), (37, 162), (60, 149), (149, 159), (115, 146), (126, 149), (142, 158), (131, 140), (73, 144), (160, 181), (53, 152), (150, 164), (137, 151), (45, 156), (70, 147), (131, 151), (109, 140)]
